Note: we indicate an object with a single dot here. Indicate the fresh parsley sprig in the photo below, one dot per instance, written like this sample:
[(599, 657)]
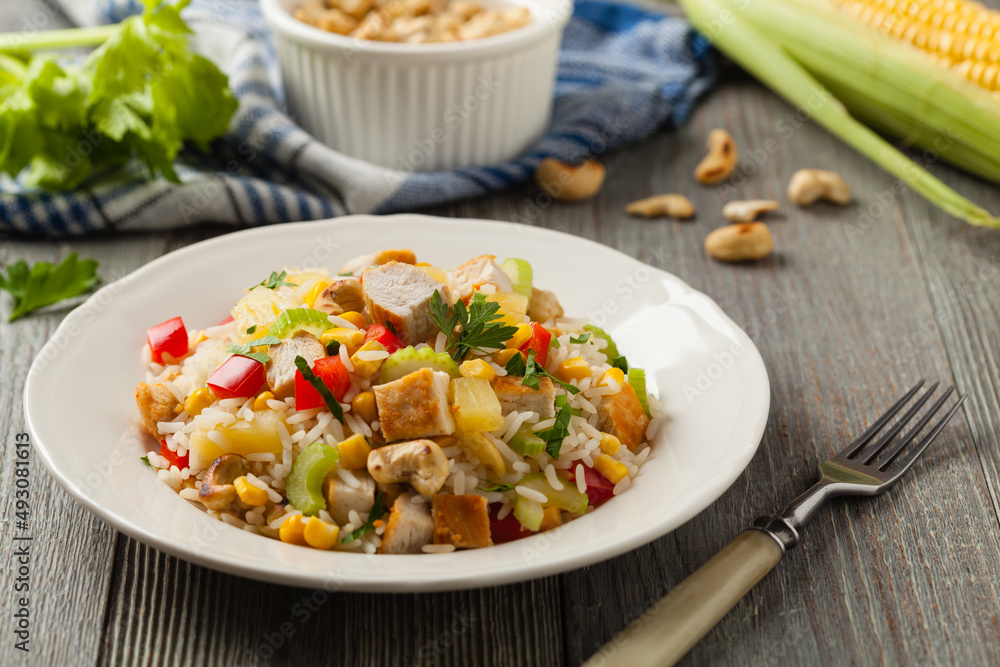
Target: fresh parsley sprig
[(555, 434), (583, 338), (246, 349), (44, 284), (369, 524), (473, 328), (274, 281), (531, 372), (331, 401)]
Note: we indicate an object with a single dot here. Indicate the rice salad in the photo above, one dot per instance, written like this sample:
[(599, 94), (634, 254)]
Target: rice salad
[(395, 407)]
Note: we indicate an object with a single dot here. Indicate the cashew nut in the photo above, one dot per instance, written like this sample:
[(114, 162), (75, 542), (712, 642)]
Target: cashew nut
[(721, 158), (741, 242), (747, 211), (341, 296), (419, 462), (217, 490), (567, 182), (674, 206), (808, 185)]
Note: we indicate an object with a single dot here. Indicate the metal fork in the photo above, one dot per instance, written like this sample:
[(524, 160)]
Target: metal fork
[(672, 626)]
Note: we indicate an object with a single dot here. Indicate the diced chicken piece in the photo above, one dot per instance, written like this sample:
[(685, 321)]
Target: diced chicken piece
[(544, 306), (462, 521), (358, 265), (479, 271), (622, 416), (156, 403), (515, 397), (410, 527), (399, 296), (415, 406), (341, 497), (281, 368), (343, 295)]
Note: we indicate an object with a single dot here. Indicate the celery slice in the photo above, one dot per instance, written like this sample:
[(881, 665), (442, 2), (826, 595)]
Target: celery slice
[(409, 359), (637, 380), (304, 485), (611, 351), (529, 513), (520, 274), (567, 498), (526, 442), (295, 319)]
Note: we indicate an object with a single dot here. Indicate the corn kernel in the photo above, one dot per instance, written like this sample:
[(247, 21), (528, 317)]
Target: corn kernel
[(612, 470), (503, 356), (354, 452), (355, 318), (260, 403), (366, 368), (572, 369), (315, 291), (249, 493), (319, 534), (198, 400), (521, 337), (363, 405), (616, 374), (477, 368), (292, 530), (551, 518), (349, 338), (610, 444)]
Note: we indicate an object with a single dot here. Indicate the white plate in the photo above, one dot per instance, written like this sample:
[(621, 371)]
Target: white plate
[(78, 397)]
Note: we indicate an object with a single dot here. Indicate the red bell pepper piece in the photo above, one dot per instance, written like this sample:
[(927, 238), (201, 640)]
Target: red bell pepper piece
[(172, 459), (229, 318), (238, 377), (539, 342), (599, 489), (506, 529), (170, 337), (380, 334), (333, 373)]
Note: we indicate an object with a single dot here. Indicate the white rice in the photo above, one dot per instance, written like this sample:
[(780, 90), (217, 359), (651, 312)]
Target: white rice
[(531, 494)]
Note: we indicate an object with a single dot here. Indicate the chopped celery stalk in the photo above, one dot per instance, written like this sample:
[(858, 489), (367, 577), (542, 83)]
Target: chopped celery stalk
[(409, 359), (526, 442), (295, 319), (520, 274), (637, 378), (304, 485), (611, 351), (529, 513), (567, 498)]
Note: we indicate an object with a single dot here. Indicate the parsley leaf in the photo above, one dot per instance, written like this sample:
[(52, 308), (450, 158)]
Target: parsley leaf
[(246, 349), (619, 362), (44, 284), (252, 330), (490, 487), (333, 348), (331, 401), (581, 339), (531, 372), (274, 281), (145, 459), (554, 435), (477, 326), (369, 525)]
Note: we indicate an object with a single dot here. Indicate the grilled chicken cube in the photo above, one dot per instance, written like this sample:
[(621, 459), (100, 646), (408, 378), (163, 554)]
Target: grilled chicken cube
[(358, 265), (515, 397), (415, 406), (343, 295), (156, 403), (544, 306), (622, 416), (399, 296), (341, 497), (409, 527), (281, 368), (462, 521), (479, 271)]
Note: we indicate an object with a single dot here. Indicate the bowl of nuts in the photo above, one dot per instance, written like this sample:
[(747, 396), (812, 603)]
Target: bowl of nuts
[(420, 85)]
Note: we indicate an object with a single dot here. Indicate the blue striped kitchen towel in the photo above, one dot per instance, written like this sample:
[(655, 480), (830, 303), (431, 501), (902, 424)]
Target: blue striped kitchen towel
[(624, 72)]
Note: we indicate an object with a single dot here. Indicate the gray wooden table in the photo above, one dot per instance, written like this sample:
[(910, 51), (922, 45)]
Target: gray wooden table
[(847, 313)]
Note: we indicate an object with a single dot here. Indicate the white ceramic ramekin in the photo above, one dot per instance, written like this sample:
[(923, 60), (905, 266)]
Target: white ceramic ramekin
[(422, 107)]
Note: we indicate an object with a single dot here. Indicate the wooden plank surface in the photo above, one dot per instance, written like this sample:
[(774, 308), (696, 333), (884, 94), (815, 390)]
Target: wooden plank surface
[(846, 314)]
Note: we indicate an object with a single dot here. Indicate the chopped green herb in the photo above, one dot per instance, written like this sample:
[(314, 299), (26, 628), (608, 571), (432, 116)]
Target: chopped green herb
[(472, 328), (369, 525), (490, 487), (246, 349), (345, 273), (516, 366), (554, 342), (619, 362), (580, 340), (333, 348), (391, 327), (44, 284), (331, 401), (554, 435), (145, 459), (252, 330), (274, 281)]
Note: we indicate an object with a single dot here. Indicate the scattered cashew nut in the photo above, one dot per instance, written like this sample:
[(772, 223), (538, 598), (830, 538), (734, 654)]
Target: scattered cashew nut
[(341, 296), (809, 185), (740, 242), (721, 158), (674, 206), (421, 463), (748, 210), (567, 182), (217, 491)]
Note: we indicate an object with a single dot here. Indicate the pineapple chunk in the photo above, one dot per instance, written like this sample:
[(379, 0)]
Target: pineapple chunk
[(479, 446), (435, 272), (475, 406), (242, 437), (512, 307), (259, 308)]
